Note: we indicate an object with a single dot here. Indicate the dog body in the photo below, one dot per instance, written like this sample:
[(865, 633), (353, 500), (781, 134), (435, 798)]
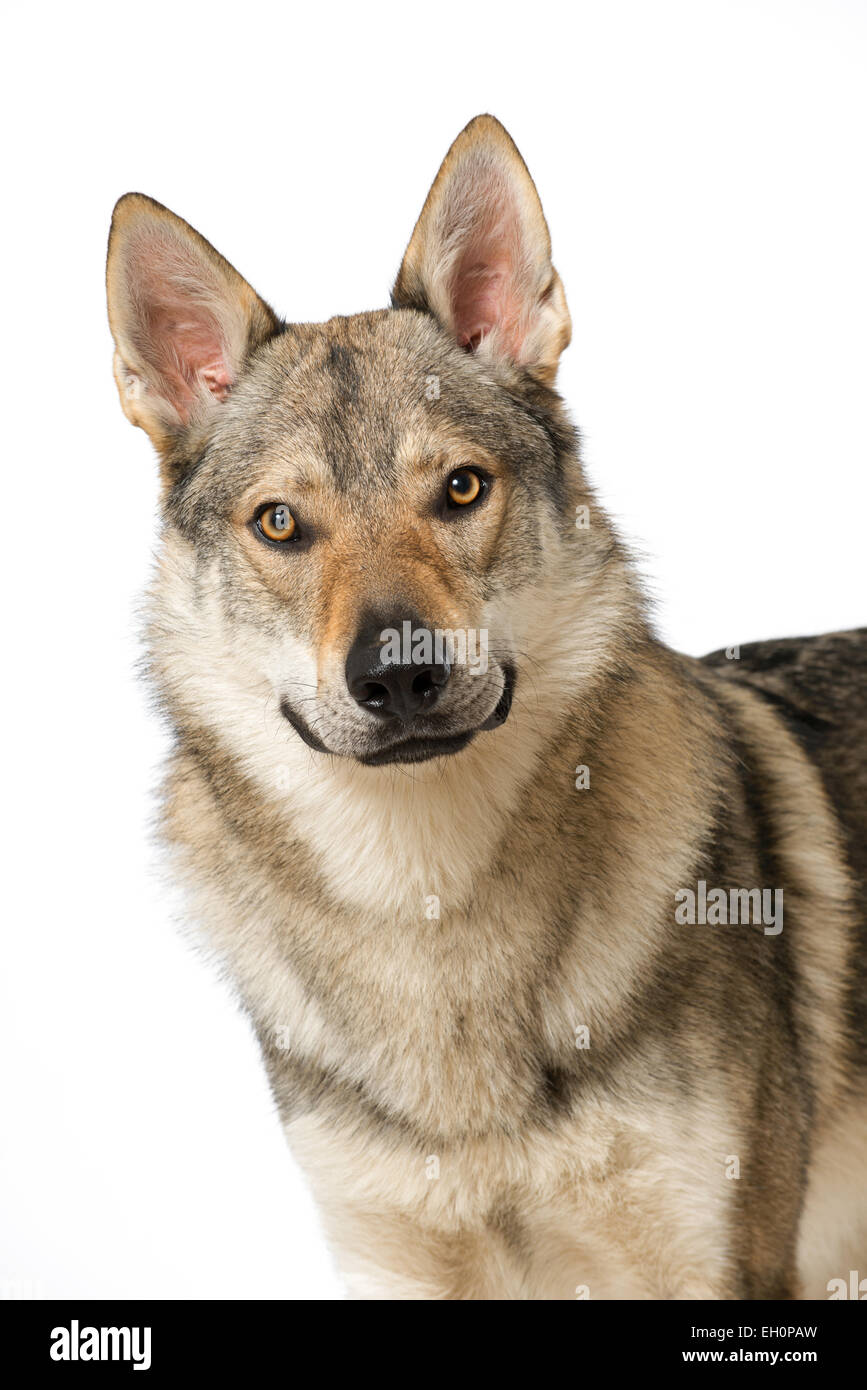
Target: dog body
[(448, 897)]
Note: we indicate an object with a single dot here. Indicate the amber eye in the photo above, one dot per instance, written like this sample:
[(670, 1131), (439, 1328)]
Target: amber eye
[(465, 487), (276, 522)]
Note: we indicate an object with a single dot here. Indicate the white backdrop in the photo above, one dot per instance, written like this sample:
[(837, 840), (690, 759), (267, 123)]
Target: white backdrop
[(702, 169)]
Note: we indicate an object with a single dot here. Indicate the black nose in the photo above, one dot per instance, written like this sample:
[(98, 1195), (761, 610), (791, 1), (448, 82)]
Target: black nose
[(393, 689)]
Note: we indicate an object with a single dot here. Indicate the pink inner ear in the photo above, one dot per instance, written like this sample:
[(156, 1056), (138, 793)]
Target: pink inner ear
[(178, 334), (217, 378), (190, 350), (485, 287), (483, 301)]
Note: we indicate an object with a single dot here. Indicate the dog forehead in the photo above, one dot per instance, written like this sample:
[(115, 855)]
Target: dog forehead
[(368, 396), (379, 362)]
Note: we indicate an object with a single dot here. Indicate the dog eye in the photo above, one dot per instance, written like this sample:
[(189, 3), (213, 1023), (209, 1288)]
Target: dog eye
[(464, 487), (276, 523)]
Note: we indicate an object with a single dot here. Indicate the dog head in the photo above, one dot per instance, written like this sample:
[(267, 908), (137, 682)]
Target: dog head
[(365, 520)]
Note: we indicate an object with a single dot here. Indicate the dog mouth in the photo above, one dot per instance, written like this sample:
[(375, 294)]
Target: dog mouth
[(416, 749)]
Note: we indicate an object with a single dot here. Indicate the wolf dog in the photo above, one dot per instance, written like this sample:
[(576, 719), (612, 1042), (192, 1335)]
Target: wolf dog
[(556, 958)]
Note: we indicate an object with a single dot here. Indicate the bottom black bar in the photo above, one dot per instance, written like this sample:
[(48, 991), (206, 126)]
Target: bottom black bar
[(159, 1339)]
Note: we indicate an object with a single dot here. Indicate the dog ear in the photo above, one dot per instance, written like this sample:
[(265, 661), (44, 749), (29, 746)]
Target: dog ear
[(183, 320), (480, 256)]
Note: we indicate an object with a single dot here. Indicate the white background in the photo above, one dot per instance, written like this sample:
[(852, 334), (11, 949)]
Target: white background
[(702, 168)]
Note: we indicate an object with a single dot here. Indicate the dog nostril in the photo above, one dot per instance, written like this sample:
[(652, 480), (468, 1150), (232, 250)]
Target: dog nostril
[(372, 694), (423, 684), (431, 680)]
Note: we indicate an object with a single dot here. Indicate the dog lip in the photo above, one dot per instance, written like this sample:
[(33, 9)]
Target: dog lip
[(303, 730), (411, 750), (417, 750), (500, 713)]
